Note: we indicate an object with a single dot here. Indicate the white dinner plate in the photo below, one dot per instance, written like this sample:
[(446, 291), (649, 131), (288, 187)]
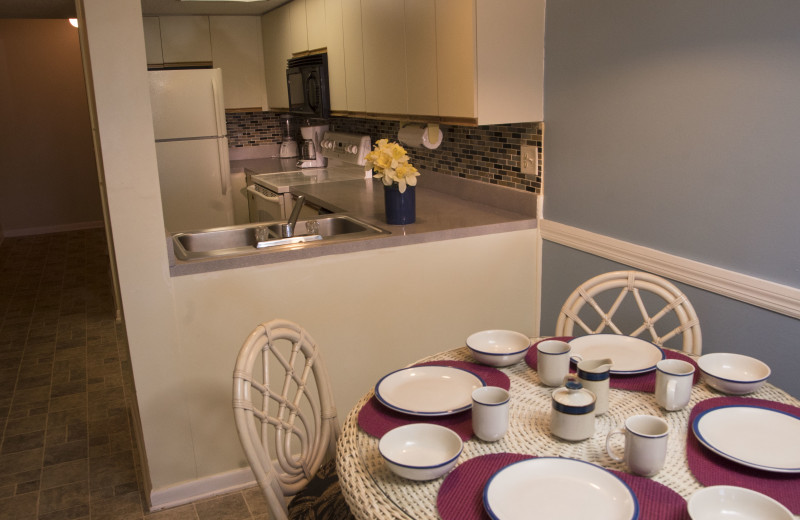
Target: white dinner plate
[(630, 355), (428, 390), (558, 488), (754, 436)]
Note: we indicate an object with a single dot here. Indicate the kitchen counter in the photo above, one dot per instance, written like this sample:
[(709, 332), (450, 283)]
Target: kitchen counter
[(447, 208)]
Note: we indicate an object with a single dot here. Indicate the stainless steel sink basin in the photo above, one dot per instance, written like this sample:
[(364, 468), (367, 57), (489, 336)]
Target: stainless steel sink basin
[(250, 238)]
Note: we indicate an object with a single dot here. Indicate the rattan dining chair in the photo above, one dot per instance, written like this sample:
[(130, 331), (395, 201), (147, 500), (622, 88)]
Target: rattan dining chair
[(673, 307), (287, 424)]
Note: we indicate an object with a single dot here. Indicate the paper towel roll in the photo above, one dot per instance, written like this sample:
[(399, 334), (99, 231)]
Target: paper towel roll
[(417, 136)]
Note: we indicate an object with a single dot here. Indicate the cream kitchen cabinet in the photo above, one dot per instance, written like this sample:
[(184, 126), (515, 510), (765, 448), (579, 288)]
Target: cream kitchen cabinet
[(298, 32), (353, 55), (275, 30), (185, 39), (421, 58), (345, 55), (383, 30), (490, 60), (236, 48), (307, 25), (462, 61), (334, 36), (315, 24), (152, 41)]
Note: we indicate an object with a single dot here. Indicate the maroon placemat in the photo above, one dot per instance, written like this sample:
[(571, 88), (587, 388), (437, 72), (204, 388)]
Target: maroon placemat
[(461, 494), (375, 419), (711, 469), (637, 382)]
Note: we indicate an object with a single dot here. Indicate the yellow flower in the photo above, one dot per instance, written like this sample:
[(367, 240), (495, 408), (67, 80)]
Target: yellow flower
[(390, 163), (383, 161)]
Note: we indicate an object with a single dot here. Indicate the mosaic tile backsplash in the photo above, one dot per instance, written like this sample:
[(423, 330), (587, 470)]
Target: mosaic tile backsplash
[(483, 153)]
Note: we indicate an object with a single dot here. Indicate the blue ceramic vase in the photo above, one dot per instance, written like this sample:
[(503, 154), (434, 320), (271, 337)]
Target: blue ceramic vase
[(400, 207)]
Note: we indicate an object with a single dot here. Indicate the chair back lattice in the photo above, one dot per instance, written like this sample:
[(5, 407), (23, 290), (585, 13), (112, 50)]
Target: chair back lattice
[(284, 410), (634, 283)]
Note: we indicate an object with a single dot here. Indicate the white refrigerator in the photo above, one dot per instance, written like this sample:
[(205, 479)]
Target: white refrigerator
[(192, 148)]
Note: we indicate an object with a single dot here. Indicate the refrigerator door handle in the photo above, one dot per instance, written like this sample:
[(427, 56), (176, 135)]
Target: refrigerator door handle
[(224, 165), (219, 109)]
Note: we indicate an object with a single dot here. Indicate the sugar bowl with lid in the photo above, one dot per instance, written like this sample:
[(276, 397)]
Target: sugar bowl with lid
[(573, 411)]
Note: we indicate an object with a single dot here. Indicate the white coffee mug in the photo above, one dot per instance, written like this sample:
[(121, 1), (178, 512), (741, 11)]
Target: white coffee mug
[(674, 379), (552, 361), (490, 412), (645, 444)]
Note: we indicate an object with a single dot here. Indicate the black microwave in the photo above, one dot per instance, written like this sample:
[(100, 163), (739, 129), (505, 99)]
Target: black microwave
[(307, 81)]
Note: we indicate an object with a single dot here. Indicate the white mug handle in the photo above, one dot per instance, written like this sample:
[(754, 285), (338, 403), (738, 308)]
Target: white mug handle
[(672, 385), (576, 357), (618, 431)]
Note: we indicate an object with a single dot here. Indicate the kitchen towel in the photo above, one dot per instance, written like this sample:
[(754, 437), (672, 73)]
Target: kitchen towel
[(645, 382), (461, 494), (711, 469), (375, 419)]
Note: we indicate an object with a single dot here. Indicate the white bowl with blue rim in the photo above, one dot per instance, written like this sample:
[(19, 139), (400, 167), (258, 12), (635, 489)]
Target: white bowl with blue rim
[(498, 348), (420, 451), (735, 374), (720, 502)]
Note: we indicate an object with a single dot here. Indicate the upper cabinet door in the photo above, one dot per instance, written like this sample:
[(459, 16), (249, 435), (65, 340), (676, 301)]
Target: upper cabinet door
[(383, 27), (456, 53), (152, 40), (237, 49), (185, 39), (298, 31), (510, 45), (353, 55), (315, 24), (334, 37), (421, 64), (275, 34)]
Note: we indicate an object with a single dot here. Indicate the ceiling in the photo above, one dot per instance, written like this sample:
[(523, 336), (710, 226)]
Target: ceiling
[(66, 8)]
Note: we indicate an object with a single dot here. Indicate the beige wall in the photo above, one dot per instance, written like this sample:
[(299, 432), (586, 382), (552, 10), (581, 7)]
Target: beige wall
[(48, 179), (115, 43)]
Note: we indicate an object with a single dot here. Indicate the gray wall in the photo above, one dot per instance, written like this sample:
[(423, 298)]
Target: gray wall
[(674, 125)]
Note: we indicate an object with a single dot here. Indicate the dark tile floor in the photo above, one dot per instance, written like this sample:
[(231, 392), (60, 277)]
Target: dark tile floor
[(66, 450)]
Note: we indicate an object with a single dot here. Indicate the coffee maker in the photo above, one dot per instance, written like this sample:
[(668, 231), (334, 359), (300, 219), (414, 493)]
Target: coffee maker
[(311, 150)]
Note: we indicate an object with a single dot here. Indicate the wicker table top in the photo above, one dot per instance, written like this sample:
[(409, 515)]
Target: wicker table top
[(374, 492)]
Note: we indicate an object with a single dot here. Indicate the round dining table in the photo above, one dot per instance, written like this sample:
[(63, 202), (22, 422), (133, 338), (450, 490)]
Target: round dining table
[(374, 492)]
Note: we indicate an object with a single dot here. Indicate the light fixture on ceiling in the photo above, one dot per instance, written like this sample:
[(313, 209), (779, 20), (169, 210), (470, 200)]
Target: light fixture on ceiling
[(73, 22)]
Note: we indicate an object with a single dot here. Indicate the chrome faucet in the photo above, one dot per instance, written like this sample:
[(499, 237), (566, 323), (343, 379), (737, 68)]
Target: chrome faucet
[(287, 230)]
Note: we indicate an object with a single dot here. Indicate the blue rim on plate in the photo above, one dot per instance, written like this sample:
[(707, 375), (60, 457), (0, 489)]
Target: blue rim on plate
[(733, 453), (399, 407), (648, 363), (568, 512)]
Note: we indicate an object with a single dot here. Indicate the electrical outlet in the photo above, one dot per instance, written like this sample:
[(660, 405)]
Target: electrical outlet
[(529, 159)]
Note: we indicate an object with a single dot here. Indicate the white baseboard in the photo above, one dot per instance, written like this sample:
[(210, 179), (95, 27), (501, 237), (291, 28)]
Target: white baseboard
[(762, 293), (193, 490), (60, 228)]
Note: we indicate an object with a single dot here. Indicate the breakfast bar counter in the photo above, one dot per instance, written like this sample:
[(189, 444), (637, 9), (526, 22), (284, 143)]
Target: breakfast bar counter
[(447, 208)]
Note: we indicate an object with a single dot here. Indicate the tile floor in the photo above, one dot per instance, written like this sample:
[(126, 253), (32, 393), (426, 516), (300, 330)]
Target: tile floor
[(66, 449)]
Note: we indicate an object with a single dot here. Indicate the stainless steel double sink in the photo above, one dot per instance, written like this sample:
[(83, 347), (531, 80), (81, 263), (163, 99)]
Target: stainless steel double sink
[(250, 238)]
